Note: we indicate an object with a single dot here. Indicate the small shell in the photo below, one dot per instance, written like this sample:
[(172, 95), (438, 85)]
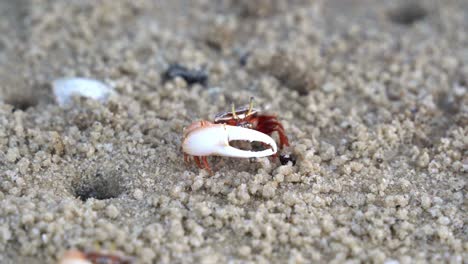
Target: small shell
[(65, 88)]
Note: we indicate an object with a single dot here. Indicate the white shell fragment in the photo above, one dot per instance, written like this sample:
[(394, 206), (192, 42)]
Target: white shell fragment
[(214, 140), (65, 88)]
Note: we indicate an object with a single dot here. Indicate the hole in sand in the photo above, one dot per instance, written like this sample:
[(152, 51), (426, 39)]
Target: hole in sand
[(408, 13), (99, 186), (21, 102), (17, 94), (17, 90), (447, 103)]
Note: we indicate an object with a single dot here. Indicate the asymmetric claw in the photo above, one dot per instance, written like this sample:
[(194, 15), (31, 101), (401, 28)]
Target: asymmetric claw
[(203, 139)]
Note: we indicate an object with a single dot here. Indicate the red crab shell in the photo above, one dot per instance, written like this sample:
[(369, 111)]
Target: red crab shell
[(249, 117)]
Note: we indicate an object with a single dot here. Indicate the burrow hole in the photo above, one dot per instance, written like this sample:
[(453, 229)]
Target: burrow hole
[(99, 186), (19, 93), (21, 102), (408, 13)]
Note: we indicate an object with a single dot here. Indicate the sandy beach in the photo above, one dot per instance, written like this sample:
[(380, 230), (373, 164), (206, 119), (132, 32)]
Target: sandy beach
[(372, 96)]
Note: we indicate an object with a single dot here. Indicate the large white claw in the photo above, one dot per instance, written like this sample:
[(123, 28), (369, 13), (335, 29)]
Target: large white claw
[(214, 140)]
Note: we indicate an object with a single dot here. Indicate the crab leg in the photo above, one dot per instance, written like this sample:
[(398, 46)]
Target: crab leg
[(205, 163), (269, 124), (197, 160)]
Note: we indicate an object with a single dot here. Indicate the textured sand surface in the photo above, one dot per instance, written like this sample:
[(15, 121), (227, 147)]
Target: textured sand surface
[(372, 94)]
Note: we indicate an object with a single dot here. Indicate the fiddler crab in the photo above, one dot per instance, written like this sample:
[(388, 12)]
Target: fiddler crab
[(202, 138)]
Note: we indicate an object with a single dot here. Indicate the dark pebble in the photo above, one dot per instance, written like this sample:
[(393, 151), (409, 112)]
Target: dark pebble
[(284, 159), (190, 76)]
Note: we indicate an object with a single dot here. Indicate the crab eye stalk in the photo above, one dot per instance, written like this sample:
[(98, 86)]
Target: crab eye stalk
[(250, 106), (234, 115)]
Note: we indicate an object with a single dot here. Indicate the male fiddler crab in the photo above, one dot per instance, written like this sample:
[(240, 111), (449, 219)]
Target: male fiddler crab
[(203, 138)]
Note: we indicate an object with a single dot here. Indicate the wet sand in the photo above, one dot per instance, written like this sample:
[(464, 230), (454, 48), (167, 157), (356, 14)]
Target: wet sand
[(372, 95)]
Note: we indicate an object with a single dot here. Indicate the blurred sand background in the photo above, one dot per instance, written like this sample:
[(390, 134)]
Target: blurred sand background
[(372, 94)]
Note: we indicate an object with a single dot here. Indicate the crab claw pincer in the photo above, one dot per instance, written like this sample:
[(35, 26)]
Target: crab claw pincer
[(202, 139), (209, 139)]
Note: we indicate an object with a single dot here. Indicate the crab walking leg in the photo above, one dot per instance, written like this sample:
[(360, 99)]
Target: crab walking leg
[(205, 163), (214, 140), (269, 124), (197, 160)]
